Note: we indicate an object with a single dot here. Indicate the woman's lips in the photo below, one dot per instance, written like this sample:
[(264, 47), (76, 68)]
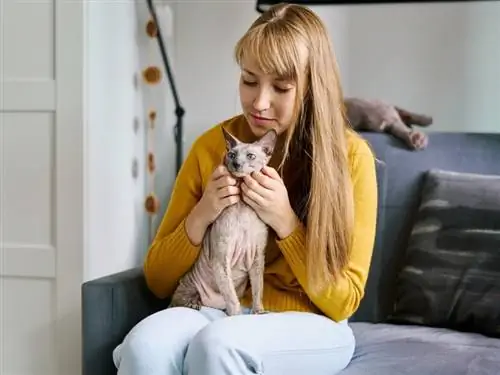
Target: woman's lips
[(258, 120)]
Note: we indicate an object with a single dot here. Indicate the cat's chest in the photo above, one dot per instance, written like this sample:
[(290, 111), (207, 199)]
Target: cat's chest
[(242, 216)]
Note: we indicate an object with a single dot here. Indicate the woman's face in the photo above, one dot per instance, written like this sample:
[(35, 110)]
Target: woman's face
[(267, 101)]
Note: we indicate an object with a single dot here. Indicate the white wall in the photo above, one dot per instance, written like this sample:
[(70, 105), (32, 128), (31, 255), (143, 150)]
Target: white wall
[(117, 51), (440, 59)]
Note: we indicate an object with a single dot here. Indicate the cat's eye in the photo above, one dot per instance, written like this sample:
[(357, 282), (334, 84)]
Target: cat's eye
[(231, 155), (250, 156)]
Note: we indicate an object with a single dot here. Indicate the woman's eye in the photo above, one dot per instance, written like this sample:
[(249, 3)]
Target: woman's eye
[(250, 156), (282, 90), (249, 83)]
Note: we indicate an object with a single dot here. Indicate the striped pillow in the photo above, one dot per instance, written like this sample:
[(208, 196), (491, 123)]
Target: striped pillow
[(451, 272)]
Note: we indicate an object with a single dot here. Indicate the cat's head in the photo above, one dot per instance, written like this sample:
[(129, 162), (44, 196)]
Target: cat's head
[(242, 158)]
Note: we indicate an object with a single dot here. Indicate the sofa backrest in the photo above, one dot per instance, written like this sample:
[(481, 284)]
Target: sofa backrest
[(399, 178)]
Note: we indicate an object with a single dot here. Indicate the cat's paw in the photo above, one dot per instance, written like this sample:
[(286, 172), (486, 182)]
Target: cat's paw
[(232, 310), (259, 311), (193, 305), (417, 140)]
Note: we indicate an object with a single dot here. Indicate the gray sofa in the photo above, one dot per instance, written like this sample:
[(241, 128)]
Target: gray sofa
[(385, 345)]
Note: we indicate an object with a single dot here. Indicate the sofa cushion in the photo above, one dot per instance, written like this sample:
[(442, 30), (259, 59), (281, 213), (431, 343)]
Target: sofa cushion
[(451, 272), (386, 349)]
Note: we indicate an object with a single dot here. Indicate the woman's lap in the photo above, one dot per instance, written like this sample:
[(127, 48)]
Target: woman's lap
[(182, 341)]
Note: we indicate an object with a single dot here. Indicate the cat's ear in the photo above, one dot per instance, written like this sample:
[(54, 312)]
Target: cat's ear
[(231, 141), (268, 142)]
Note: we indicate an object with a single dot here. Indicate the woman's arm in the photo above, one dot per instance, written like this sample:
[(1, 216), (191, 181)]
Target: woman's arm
[(175, 247), (340, 301)]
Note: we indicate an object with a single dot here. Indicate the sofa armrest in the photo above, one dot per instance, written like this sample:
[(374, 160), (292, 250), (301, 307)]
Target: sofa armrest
[(111, 306)]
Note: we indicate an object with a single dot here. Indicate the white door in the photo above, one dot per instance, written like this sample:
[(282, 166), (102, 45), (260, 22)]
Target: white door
[(41, 186)]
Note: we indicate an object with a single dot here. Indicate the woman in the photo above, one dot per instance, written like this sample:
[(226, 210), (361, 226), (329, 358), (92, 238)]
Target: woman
[(322, 214)]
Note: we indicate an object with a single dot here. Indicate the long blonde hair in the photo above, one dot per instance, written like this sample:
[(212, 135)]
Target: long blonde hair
[(318, 178)]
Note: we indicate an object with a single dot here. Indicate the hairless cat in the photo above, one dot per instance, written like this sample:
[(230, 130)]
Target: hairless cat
[(233, 248)]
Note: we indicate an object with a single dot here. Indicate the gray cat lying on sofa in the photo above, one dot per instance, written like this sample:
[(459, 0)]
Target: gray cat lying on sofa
[(450, 339), (380, 117)]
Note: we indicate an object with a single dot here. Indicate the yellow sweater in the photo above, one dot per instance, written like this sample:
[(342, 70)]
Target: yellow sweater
[(172, 254)]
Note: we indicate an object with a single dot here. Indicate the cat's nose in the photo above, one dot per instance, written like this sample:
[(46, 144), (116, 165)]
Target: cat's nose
[(236, 165)]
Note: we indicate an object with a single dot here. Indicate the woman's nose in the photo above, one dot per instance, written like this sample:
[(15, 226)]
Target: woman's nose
[(262, 100)]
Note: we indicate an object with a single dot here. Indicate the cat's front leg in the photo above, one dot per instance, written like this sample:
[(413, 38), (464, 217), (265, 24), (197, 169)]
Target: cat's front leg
[(256, 275), (224, 281)]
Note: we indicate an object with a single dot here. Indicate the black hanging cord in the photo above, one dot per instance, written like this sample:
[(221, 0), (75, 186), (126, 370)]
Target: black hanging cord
[(179, 111)]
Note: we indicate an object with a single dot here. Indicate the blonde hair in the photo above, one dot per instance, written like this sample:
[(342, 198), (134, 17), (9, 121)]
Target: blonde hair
[(318, 177)]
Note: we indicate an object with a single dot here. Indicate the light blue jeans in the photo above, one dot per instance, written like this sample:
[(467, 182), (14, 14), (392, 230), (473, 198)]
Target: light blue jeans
[(182, 341)]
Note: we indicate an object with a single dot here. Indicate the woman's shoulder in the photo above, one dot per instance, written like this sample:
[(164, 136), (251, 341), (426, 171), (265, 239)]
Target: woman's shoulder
[(358, 149), (356, 144)]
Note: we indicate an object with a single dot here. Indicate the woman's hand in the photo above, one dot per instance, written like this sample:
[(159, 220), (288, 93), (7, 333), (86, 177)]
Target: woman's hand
[(266, 193), (220, 192)]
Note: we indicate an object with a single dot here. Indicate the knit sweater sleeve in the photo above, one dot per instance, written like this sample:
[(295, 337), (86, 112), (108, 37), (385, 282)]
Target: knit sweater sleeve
[(171, 253), (340, 301)]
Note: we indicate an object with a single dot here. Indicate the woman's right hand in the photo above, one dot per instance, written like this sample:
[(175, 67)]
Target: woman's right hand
[(220, 192)]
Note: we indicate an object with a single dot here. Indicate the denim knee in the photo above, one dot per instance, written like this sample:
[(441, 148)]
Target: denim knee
[(138, 355), (219, 350), (157, 344)]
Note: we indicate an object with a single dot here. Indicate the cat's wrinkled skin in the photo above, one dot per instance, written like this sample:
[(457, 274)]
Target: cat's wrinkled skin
[(233, 249)]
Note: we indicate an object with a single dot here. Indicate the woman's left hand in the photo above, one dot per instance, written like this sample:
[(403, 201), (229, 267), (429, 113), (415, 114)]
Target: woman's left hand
[(266, 193)]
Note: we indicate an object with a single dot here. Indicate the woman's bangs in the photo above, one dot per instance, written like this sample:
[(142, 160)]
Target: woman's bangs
[(270, 50)]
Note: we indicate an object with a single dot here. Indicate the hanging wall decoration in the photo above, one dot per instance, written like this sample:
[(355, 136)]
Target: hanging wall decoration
[(151, 75)]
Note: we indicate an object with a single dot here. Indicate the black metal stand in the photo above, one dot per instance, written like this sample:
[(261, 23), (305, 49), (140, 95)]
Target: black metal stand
[(179, 110)]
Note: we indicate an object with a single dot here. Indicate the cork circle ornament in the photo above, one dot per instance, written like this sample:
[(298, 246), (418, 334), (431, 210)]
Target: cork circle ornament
[(152, 204), (151, 162), (151, 75), (151, 29), (152, 117)]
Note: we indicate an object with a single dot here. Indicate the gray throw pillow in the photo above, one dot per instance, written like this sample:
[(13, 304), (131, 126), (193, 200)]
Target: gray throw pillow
[(451, 272)]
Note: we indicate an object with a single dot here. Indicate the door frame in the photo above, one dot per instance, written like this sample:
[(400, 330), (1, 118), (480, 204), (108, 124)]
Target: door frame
[(70, 179)]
